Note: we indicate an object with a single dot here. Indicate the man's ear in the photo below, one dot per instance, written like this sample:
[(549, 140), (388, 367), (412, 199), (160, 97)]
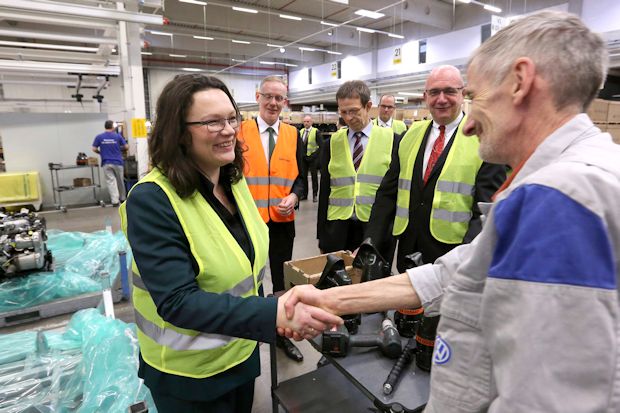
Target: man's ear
[(523, 72)]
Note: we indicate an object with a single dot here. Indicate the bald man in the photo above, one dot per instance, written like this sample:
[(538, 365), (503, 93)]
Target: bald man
[(311, 144), (387, 106), (429, 197)]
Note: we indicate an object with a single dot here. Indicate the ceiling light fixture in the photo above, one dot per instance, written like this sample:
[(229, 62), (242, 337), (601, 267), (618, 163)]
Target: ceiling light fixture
[(245, 10), (324, 23), (282, 50), (365, 30), (336, 53), (160, 33), (289, 17), (146, 53), (239, 41), (341, 1), (238, 61), (465, 1), (262, 62), (290, 65), (396, 36), (49, 46), (273, 45), (492, 8), (368, 13), (199, 3), (177, 55), (203, 37), (307, 49), (191, 69), (414, 94)]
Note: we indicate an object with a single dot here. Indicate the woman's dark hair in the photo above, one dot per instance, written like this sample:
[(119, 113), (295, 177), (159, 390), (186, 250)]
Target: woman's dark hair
[(170, 141)]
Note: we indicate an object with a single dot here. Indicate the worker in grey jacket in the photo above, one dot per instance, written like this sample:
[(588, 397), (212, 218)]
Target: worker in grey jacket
[(530, 315)]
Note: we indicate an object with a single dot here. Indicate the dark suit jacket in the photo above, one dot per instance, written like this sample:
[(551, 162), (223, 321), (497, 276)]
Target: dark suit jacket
[(332, 235), (417, 235)]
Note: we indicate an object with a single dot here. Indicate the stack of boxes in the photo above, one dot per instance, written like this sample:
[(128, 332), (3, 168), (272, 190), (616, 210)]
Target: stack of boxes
[(606, 115)]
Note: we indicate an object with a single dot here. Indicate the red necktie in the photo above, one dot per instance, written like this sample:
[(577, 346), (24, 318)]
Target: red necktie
[(435, 152), (358, 149)]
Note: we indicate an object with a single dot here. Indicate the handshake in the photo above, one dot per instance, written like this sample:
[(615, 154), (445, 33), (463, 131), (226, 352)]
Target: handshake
[(304, 313)]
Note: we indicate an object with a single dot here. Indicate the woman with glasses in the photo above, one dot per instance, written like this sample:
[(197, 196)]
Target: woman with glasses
[(200, 248)]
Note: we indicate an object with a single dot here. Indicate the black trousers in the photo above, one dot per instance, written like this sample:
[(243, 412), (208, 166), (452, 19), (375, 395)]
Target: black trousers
[(238, 400), (310, 163), (342, 235), (281, 237)]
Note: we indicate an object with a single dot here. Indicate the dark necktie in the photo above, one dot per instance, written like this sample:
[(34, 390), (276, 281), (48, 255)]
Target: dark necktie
[(272, 140), (306, 136), (358, 149), (435, 152)]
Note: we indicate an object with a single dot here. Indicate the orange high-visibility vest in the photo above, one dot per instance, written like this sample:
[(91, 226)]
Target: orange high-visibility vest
[(269, 184)]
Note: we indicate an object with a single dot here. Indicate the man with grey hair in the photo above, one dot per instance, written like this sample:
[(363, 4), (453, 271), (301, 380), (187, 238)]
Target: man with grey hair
[(530, 310)]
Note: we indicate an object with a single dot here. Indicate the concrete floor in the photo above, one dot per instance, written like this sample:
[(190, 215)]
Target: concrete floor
[(91, 219)]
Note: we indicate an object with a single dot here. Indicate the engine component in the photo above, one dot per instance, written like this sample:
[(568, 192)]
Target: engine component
[(425, 342), (22, 244), (339, 342)]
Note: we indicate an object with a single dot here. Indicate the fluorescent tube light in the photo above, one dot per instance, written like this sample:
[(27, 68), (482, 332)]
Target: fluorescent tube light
[(146, 53), (492, 8), (239, 41), (290, 65), (200, 3), (160, 33), (191, 69), (324, 23), (414, 94), (336, 53), (245, 10), (365, 30), (465, 1), (368, 13), (341, 1), (203, 38), (289, 17), (266, 63), (177, 55), (396, 36), (307, 49), (273, 45), (238, 61)]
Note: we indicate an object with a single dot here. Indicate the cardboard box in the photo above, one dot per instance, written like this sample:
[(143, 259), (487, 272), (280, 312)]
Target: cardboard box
[(598, 110), (309, 270), (613, 113), (77, 182), (93, 161)]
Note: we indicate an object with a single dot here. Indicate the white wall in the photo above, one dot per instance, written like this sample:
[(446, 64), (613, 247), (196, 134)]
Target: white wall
[(32, 140), (601, 15)]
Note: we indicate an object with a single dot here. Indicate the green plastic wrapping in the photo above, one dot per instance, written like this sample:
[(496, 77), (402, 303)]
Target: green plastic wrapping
[(79, 260), (90, 367)]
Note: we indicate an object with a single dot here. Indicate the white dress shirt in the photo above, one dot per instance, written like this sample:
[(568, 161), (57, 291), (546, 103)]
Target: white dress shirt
[(264, 135), (383, 124), (434, 134), (365, 131)]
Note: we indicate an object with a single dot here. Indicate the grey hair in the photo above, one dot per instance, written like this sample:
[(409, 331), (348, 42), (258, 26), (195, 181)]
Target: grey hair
[(354, 89), (566, 53), (272, 78)]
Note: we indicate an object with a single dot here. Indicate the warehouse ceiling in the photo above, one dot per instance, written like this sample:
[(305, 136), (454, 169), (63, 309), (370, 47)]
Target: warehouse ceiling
[(45, 40)]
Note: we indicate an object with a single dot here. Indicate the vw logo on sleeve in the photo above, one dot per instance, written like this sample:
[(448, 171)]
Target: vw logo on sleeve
[(443, 352)]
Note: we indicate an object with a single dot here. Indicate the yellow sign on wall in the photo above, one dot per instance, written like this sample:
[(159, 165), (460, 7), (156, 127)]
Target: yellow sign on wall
[(138, 128)]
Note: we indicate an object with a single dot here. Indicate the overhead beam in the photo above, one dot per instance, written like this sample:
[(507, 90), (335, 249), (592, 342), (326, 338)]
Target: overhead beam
[(41, 35), (43, 18), (82, 11), (51, 67)]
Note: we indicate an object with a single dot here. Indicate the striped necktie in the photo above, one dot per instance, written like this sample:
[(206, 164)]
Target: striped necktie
[(358, 149)]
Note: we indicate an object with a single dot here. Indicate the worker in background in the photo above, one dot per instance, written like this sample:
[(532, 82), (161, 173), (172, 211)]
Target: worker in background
[(311, 144), (352, 165), (521, 303), (200, 250), (110, 146), (274, 157), (431, 192), (387, 106)]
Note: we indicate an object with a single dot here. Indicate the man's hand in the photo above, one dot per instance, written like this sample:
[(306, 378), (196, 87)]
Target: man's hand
[(287, 205), (305, 322)]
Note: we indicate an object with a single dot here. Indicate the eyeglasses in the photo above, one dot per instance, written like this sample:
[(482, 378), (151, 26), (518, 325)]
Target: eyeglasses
[(217, 125), (350, 112), (449, 91), (267, 97), (387, 107)]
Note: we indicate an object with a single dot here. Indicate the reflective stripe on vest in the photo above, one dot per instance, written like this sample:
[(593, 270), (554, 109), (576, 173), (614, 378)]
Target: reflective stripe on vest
[(223, 268), (353, 191), (269, 184), (453, 197), (311, 145)]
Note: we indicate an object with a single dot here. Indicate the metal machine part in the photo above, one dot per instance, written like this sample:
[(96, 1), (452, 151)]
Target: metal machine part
[(370, 261), (22, 244)]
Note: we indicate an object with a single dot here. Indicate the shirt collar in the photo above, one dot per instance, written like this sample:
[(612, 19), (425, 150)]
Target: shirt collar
[(366, 131), (385, 124), (452, 125), (262, 125)]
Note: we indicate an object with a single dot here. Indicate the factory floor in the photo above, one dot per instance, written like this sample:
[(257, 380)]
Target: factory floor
[(89, 219)]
